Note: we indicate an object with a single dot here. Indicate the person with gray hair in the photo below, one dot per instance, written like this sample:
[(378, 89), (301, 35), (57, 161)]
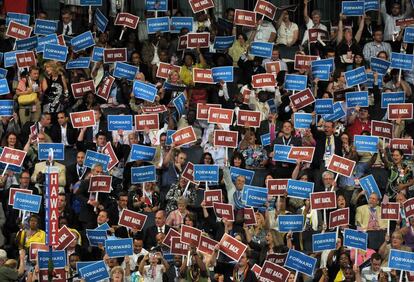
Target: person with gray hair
[(313, 22), (8, 271)]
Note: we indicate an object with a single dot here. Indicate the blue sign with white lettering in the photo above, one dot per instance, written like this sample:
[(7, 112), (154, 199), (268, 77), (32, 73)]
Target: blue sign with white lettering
[(92, 158), (27, 202), (6, 108), (256, 198), (265, 139), (177, 23), (222, 73), (48, 39), (170, 132), (247, 173), (79, 63), (281, 153), (14, 168), (4, 87), (141, 153), (409, 34), (272, 105), (353, 8), (325, 62), (58, 151), (401, 260), (370, 80), (338, 113), (94, 272), (371, 5), (23, 19), (96, 237), (143, 174), (292, 223), (402, 61), (97, 54), (321, 72), (366, 144), (247, 188), (206, 173), (299, 189), (302, 120), (55, 52), (355, 239), (3, 73), (45, 27), (10, 58), (58, 258), (156, 5), (82, 41), (379, 65), (392, 98), (179, 103), (224, 42), (354, 99), (158, 25), (356, 76), (124, 70), (300, 262), (261, 49), (144, 91), (81, 264), (100, 20), (27, 43), (119, 247), (104, 227), (369, 184), (324, 106), (119, 122), (295, 82), (91, 2), (323, 242)]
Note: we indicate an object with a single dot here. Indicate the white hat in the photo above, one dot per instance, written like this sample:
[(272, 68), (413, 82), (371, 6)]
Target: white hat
[(3, 254)]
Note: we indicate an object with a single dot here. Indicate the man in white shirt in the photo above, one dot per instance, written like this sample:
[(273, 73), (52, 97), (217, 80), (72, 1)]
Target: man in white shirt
[(390, 29), (138, 251), (315, 22), (370, 273)]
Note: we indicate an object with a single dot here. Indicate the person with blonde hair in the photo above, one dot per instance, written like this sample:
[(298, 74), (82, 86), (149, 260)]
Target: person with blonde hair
[(54, 88)]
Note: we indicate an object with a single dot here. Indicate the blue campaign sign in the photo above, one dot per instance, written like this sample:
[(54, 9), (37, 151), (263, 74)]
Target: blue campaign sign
[(81, 264), (371, 5), (23, 19), (104, 227), (58, 258), (337, 114), (261, 49), (224, 42), (325, 62), (6, 108), (97, 54), (299, 189), (4, 87), (45, 27), (96, 237), (247, 173), (179, 103), (369, 184), (10, 58), (265, 139), (3, 72), (402, 61), (141, 153), (379, 65), (82, 41), (177, 23), (158, 25), (324, 106), (27, 44), (119, 247), (353, 8), (27, 202), (55, 52), (100, 20), (170, 132), (124, 70), (119, 122), (356, 76), (292, 223), (92, 158), (248, 188), (295, 82), (48, 39), (355, 239), (91, 2), (79, 63), (58, 151), (300, 262), (370, 80), (144, 91), (281, 153), (94, 272), (354, 99), (222, 73), (143, 174), (272, 105), (366, 144), (256, 198), (323, 241), (302, 120), (401, 260), (408, 34), (156, 5), (206, 173), (321, 72), (392, 98)]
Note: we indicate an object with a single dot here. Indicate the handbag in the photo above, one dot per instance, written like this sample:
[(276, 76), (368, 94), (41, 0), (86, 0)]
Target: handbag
[(27, 99)]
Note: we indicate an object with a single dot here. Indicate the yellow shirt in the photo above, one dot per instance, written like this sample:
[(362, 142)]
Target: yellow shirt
[(38, 237), (186, 73)]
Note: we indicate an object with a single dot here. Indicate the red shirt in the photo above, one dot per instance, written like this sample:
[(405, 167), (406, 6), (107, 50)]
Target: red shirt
[(358, 127)]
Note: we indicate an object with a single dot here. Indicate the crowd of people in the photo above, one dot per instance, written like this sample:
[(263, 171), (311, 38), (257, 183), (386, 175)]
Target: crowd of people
[(43, 101)]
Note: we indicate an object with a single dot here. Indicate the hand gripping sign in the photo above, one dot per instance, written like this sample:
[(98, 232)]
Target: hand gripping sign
[(232, 247)]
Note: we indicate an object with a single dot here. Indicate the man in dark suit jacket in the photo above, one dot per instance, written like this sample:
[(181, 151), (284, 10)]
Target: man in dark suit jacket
[(114, 212), (152, 231), (43, 125), (63, 124), (76, 171), (174, 271), (68, 26)]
